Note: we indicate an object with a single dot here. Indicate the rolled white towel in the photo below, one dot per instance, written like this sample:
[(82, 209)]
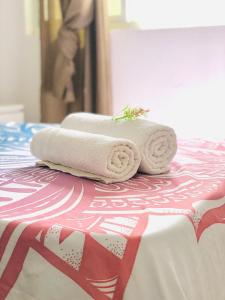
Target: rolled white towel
[(157, 143), (87, 155)]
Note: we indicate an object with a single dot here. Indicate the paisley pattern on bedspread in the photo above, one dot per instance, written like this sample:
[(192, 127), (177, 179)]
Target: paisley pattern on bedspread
[(91, 231)]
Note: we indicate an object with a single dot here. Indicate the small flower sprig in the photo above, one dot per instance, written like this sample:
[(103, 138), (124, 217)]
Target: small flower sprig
[(130, 114)]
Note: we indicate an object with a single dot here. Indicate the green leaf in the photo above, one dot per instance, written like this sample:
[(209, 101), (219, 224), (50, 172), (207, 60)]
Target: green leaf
[(129, 114)]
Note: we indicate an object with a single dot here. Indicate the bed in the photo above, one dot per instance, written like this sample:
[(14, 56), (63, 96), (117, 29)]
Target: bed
[(150, 238)]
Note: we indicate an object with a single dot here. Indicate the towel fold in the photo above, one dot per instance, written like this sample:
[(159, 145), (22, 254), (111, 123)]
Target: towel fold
[(157, 143), (94, 156)]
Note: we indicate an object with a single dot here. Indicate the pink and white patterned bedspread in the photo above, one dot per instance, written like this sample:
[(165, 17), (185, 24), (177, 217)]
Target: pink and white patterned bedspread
[(151, 238)]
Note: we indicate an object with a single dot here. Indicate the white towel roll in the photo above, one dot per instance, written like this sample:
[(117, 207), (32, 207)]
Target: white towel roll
[(157, 143), (86, 155)]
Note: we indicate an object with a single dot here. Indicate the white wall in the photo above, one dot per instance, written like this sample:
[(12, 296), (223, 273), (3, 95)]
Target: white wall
[(19, 60), (178, 73)]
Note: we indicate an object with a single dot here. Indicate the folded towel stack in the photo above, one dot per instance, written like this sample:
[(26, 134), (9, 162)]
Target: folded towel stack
[(93, 156), (156, 143), (96, 147)]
